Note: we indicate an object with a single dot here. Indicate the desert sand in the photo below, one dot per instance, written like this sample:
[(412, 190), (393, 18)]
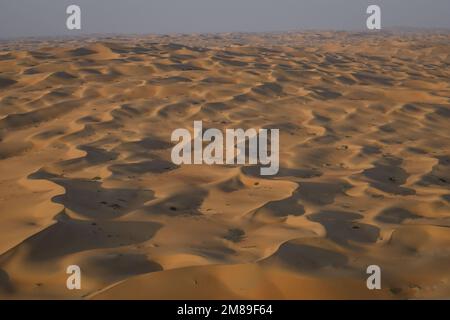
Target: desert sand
[(87, 179)]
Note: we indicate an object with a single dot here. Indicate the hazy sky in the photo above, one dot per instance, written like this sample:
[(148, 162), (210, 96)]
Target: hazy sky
[(47, 17)]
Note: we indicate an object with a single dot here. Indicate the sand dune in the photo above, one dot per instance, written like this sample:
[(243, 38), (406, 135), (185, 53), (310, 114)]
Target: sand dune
[(87, 178)]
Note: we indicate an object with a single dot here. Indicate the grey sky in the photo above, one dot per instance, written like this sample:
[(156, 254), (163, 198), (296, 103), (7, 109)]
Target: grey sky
[(19, 18)]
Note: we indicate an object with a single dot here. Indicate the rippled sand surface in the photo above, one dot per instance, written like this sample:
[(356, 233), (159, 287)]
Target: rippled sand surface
[(86, 176)]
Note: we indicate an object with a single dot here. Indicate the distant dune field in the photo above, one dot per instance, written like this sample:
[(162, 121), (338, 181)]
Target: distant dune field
[(87, 179)]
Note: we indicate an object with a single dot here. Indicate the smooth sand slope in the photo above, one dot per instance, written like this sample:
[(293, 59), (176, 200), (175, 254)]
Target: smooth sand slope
[(86, 176)]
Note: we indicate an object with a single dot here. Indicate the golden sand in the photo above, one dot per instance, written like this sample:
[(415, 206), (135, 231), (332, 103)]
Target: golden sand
[(86, 176)]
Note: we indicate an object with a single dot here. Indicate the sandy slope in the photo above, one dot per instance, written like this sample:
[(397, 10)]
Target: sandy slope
[(86, 176)]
